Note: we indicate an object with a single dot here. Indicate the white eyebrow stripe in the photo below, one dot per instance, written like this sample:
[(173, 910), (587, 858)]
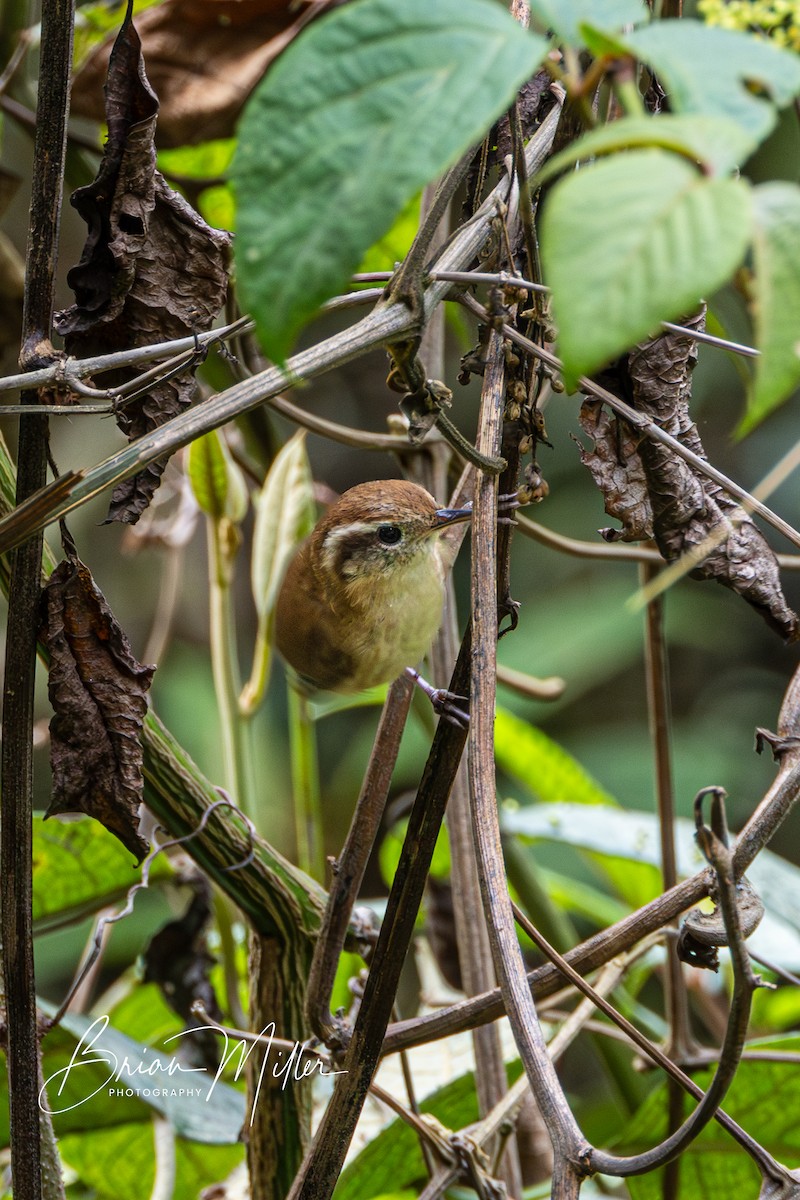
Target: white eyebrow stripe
[(343, 532)]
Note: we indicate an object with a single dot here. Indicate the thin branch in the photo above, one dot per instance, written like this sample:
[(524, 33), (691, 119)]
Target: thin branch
[(64, 372), (16, 828), (765, 1162), (504, 279), (566, 1138), (720, 857), (348, 869), (320, 1170), (523, 684)]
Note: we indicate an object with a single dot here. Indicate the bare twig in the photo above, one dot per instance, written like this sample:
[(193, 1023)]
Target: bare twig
[(16, 832), (566, 1138), (767, 1165), (348, 869), (320, 1170)]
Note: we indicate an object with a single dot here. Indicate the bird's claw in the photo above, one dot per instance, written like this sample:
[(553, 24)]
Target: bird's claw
[(445, 703)]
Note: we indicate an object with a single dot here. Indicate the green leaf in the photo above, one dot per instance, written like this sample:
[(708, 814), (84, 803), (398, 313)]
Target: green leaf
[(78, 868), (634, 240), (120, 1163), (764, 1098), (775, 298), (284, 516), (711, 71), (566, 17), (203, 161), (548, 771), (370, 103), (217, 482), (716, 142)]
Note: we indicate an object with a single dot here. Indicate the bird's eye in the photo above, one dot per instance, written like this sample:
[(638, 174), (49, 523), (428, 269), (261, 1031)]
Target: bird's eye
[(390, 535)]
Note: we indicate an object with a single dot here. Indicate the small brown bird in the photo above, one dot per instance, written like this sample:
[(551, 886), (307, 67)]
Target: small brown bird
[(362, 599)]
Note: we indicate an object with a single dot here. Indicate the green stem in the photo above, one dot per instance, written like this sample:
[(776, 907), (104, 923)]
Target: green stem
[(305, 786), (628, 94), (225, 912), (236, 732)]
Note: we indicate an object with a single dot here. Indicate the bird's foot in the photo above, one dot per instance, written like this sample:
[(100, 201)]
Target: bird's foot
[(445, 703)]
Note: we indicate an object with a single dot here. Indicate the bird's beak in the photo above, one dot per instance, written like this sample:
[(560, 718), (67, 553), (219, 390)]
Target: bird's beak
[(452, 516)]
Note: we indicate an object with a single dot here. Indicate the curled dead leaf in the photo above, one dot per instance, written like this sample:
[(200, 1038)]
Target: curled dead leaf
[(656, 493), (151, 269), (98, 691)]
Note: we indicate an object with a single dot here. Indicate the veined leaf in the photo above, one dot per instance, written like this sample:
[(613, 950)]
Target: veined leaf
[(634, 240), (79, 867), (763, 1097), (196, 1104), (776, 298), (365, 107), (710, 71)]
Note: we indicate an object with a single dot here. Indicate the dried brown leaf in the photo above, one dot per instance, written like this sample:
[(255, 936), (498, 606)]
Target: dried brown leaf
[(656, 493), (204, 57), (688, 508), (617, 470), (98, 691), (151, 269)]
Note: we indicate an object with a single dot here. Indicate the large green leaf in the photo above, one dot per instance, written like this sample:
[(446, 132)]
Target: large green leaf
[(368, 104), (776, 298), (565, 17), (710, 71), (634, 240), (764, 1098)]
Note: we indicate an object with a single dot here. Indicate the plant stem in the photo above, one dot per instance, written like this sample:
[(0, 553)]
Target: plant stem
[(16, 833), (236, 732), (305, 786)]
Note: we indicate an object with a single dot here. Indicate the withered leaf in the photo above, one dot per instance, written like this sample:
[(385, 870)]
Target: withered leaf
[(204, 58), (151, 268), (617, 470), (686, 508), (98, 691)]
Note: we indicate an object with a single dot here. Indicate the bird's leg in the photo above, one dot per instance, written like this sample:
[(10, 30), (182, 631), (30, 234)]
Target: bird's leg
[(445, 703)]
